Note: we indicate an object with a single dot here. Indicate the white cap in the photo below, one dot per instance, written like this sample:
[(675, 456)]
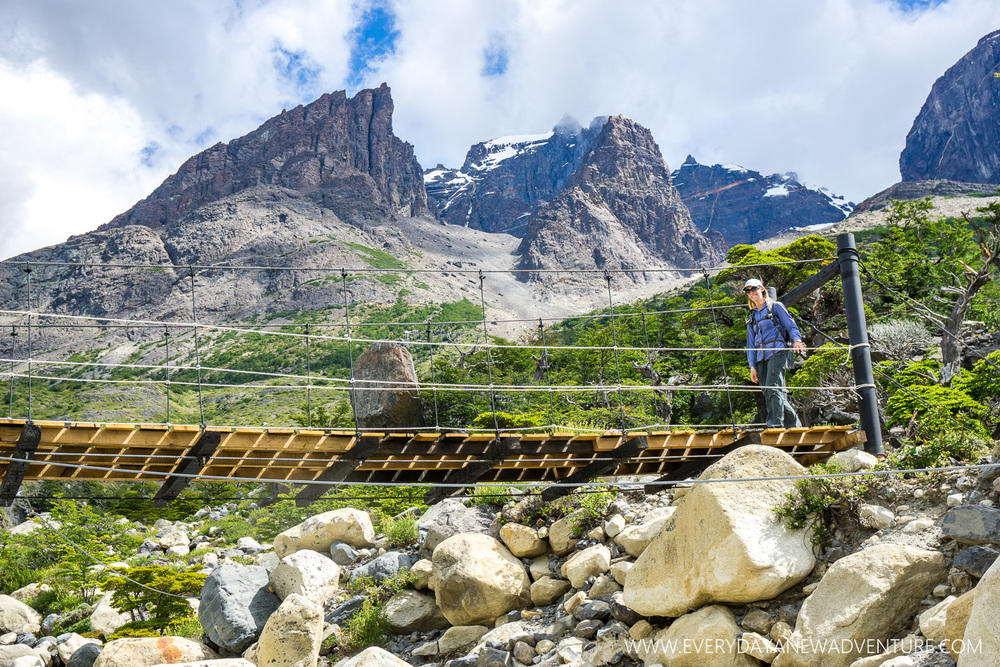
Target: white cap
[(753, 282)]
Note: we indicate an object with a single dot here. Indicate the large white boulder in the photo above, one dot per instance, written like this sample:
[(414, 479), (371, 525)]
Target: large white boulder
[(322, 530), (634, 539), (476, 579), (105, 619), (724, 542), (291, 637), (147, 651), (861, 601), (16, 616), (585, 564), (374, 657), (307, 573), (708, 637), (981, 644)]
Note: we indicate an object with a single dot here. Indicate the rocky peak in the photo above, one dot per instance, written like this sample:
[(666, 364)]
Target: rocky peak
[(340, 152), (956, 135), (503, 180), (745, 206), (619, 210)]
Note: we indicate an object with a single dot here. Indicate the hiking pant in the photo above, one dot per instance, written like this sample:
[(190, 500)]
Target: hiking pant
[(771, 376)]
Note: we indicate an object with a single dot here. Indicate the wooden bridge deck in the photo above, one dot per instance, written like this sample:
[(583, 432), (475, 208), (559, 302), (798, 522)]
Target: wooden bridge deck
[(50, 450)]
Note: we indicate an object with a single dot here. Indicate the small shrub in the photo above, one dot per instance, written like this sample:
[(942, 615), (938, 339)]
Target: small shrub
[(402, 531), (824, 504), (368, 627)]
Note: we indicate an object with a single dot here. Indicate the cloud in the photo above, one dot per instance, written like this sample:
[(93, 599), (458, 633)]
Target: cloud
[(105, 98)]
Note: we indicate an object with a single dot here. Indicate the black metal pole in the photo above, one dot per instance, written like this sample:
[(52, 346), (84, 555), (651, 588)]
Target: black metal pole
[(857, 330)]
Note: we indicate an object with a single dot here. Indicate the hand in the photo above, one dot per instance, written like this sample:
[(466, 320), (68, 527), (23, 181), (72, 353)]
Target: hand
[(753, 375), (799, 347)]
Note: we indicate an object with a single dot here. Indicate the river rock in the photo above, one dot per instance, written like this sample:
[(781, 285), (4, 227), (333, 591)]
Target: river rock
[(307, 573), (635, 539), (16, 616), (85, 656), (547, 590), (724, 542), (385, 567), (71, 644), (319, 532), (865, 596), (981, 643), (972, 524), (932, 621), (142, 651), (476, 579), (585, 564), (708, 637), (450, 517), (523, 541), (374, 657), (563, 533), (291, 637), (235, 605), (410, 611)]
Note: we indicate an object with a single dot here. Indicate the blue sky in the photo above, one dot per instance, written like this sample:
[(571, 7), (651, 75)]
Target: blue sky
[(104, 99)]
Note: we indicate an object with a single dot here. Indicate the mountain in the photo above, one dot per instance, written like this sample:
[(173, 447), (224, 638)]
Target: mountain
[(618, 210), (956, 135), (503, 180), (339, 152), (746, 207)]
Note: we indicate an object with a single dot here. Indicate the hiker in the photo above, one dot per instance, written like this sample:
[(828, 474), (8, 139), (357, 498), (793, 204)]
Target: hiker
[(771, 331)]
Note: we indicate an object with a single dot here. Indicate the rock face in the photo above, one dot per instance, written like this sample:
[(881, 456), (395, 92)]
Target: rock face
[(745, 206), (864, 596), (476, 579), (619, 210), (505, 179), (340, 152), (956, 135), (724, 543), (235, 605), (386, 391), (918, 190)]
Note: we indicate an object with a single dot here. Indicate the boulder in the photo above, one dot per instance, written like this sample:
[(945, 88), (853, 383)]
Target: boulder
[(450, 517), (319, 532), (175, 538), (30, 592), (16, 616), (585, 564), (708, 637), (374, 657), (85, 656), (146, 651), (476, 579), (862, 599), (932, 621), (563, 533), (235, 605), (547, 591), (386, 393), (8, 654), (523, 541), (854, 460), (222, 662), (421, 571), (635, 539), (307, 573), (460, 636), (69, 645), (981, 643), (384, 567), (292, 635), (955, 621), (972, 524), (976, 560), (409, 611), (724, 542)]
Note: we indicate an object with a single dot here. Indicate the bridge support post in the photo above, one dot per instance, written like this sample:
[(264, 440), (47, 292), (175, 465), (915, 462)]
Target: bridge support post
[(857, 330), (178, 480), (27, 443)]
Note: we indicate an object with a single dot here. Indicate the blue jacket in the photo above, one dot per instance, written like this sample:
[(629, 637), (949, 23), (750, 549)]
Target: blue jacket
[(763, 337)]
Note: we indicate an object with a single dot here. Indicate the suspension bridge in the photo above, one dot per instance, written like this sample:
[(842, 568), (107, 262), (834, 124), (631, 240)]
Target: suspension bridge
[(445, 457)]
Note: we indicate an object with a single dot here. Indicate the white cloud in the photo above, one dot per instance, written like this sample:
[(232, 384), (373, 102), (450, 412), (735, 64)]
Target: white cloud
[(827, 89)]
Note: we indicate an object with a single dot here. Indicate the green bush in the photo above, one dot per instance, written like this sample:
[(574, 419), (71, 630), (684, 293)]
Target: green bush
[(823, 504), (402, 531)]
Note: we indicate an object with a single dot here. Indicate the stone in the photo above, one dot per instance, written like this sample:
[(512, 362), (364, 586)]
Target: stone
[(976, 560), (373, 657), (387, 392), (460, 636), (476, 579), (758, 621), (620, 570), (865, 596), (306, 573), (67, 646), (320, 531), (139, 651), (342, 553), (972, 524), (574, 601), (603, 586), (450, 517), (781, 632), (523, 652), (932, 621), (383, 568), (708, 637), (855, 460), (105, 619), (981, 642), (724, 543), (421, 571), (235, 605), (174, 538), (548, 590), (523, 541), (758, 646), (30, 592), (16, 616), (539, 568), (585, 564), (410, 611), (343, 611), (563, 534), (918, 526), (8, 654), (878, 517), (640, 630), (614, 525), (292, 635), (28, 661), (594, 609), (85, 656), (249, 546), (635, 539), (954, 499), (621, 612), (955, 621)]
